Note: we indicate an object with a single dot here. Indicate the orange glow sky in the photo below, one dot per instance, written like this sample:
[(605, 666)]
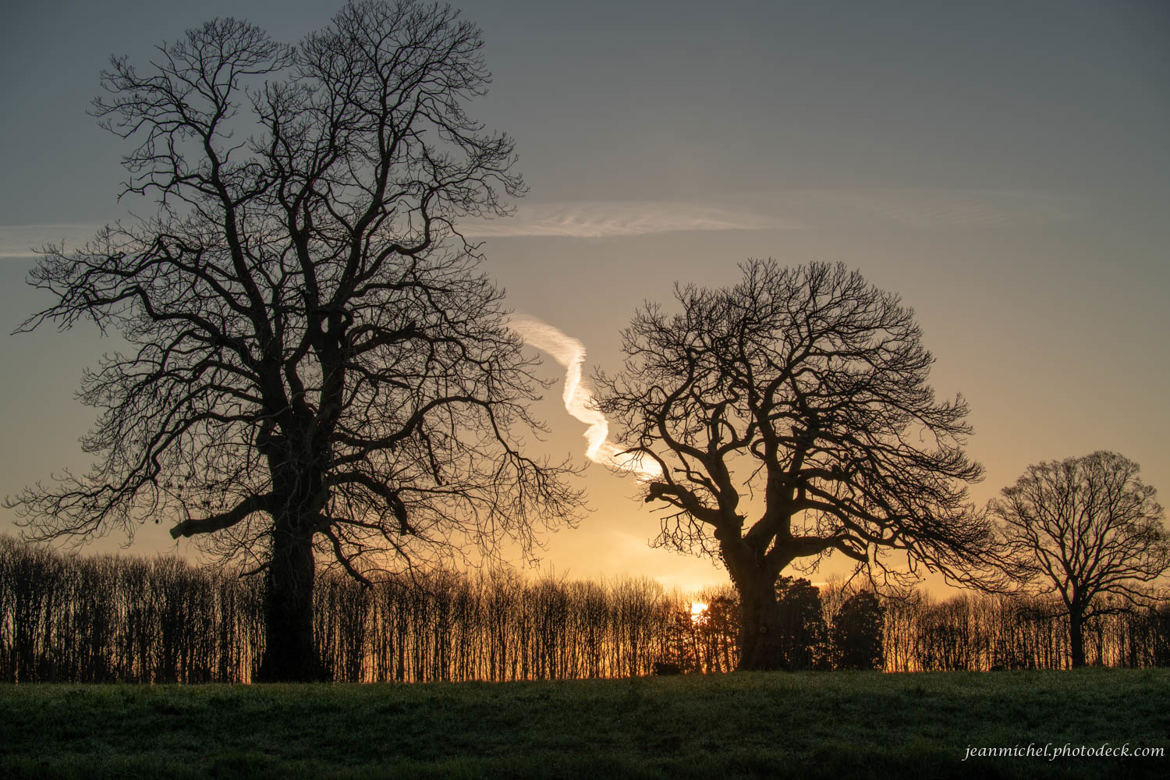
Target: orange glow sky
[(1002, 165)]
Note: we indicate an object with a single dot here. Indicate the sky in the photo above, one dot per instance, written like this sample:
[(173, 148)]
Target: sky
[(1003, 166)]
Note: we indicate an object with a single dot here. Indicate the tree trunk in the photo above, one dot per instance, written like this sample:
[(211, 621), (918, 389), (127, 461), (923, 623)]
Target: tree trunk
[(759, 635), (290, 654), (1076, 636)]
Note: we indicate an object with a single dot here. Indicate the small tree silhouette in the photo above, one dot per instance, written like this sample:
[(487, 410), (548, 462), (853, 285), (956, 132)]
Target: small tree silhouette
[(857, 633), (1088, 528), (800, 625), (681, 645), (717, 628)]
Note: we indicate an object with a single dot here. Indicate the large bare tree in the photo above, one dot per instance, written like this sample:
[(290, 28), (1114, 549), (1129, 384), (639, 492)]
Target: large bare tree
[(1089, 528), (315, 366), (798, 396)]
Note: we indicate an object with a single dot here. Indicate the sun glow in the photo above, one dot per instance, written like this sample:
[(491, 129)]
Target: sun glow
[(578, 397), (698, 610)]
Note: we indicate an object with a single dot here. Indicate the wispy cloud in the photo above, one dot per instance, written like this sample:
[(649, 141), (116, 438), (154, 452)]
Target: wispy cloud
[(910, 208), (20, 241), (621, 218), (570, 220)]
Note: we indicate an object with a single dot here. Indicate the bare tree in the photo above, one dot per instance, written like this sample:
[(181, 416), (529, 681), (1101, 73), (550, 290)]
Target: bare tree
[(800, 394), (1088, 527), (315, 366)]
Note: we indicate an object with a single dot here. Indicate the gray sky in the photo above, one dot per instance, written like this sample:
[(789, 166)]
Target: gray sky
[(1002, 165)]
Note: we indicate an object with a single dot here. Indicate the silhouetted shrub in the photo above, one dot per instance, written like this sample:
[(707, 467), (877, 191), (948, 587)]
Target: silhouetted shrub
[(857, 633), (801, 625)]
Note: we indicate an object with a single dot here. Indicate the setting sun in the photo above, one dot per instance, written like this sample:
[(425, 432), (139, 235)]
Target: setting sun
[(698, 609)]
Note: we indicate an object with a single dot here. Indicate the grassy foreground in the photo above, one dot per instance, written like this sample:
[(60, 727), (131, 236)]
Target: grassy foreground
[(836, 725)]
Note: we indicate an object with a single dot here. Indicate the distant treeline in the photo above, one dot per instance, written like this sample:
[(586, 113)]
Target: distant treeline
[(93, 619), (981, 633), (105, 618)]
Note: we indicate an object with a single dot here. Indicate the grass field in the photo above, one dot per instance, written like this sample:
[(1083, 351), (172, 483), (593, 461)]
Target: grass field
[(831, 725)]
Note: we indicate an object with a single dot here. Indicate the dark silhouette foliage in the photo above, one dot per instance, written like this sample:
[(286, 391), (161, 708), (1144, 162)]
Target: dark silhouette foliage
[(800, 625), (857, 633)]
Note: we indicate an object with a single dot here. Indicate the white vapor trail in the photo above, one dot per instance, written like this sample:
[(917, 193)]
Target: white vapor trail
[(593, 219), (578, 397), (23, 241)]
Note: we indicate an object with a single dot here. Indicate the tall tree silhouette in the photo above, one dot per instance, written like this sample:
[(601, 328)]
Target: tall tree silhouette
[(315, 366), (1088, 527), (799, 395)]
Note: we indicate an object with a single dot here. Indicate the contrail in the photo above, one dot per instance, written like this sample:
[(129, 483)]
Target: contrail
[(578, 398)]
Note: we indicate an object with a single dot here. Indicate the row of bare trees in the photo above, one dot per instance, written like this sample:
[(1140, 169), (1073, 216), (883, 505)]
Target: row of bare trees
[(70, 618), (96, 619), (989, 633)]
